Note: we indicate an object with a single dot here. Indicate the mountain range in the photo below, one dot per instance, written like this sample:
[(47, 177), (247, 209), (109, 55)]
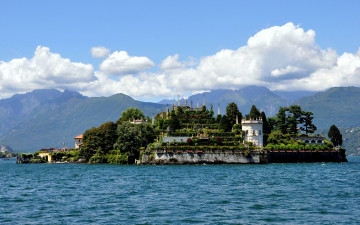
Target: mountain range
[(50, 118), (264, 99)]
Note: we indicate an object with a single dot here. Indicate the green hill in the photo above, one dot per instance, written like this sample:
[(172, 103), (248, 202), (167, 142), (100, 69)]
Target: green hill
[(339, 106), (57, 123)]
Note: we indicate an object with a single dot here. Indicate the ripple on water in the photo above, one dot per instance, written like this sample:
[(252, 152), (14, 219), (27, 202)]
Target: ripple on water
[(204, 194)]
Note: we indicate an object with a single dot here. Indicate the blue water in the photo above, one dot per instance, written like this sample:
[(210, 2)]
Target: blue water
[(323, 193)]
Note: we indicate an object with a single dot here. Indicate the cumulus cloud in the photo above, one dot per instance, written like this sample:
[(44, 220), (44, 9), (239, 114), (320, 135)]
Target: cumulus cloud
[(120, 63), (280, 58), (99, 52), (44, 70), (171, 62)]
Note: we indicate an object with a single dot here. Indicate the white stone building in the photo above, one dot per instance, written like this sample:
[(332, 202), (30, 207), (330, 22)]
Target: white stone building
[(253, 131), (78, 141)]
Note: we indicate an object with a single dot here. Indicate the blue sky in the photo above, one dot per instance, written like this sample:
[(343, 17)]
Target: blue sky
[(194, 34)]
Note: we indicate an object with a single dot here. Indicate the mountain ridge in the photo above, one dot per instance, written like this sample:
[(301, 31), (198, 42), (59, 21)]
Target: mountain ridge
[(35, 121)]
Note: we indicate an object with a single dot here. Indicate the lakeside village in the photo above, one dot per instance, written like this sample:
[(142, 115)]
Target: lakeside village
[(193, 135)]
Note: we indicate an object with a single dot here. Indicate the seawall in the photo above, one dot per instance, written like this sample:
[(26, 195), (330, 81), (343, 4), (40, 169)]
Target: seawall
[(258, 157)]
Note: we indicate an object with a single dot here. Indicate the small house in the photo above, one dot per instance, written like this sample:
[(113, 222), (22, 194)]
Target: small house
[(78, 141)]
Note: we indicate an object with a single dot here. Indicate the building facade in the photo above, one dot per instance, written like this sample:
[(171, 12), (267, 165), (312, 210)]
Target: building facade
[(78, 141), (253, 131)]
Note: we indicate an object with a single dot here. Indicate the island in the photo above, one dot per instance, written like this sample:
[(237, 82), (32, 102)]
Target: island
[(187, 134)]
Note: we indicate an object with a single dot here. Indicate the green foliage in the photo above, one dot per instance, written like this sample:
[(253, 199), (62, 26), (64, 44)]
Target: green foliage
[(289, 119), (254, 113), (335, 135), (117, 159), (174, 123), (308, 126), (266, 128), (231, 112), (225, 124), (100, 140), (26, 155), (131, 114), (131, 137), (276, 137), (237, 128)]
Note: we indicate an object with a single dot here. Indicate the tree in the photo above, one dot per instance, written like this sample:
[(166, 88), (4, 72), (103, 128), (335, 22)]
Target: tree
[(308, 126), (254, 113), (231, 112), (276, 137), (174, 123), (266, 128), (335, 135), (225, 124), (99, 140), (280, 123), (293, 118), (91, 142), (131, 137), (131, 114)]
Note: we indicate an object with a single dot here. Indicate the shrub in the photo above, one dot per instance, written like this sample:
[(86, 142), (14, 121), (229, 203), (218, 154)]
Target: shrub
[(313, 147), (307, 147), (288, 147), (294, 147), (119, 159), (282, 147)]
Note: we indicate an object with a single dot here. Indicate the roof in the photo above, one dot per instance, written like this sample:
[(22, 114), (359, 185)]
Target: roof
[(79, 137)]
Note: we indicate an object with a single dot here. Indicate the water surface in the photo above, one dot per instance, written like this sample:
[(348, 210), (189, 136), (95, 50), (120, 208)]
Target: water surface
[(303, 193)]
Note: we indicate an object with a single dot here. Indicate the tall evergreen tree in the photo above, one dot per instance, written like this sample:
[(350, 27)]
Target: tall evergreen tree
[(225, 124), (254, 113), (266, 128), (308, 125), (293, 118), (231, 112), (335, 135), (281, 123)]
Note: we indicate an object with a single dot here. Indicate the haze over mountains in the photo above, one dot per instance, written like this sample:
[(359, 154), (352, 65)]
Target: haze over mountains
[(47, 118)]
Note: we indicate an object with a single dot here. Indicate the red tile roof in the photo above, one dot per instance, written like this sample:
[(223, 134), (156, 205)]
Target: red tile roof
[(79, 137)]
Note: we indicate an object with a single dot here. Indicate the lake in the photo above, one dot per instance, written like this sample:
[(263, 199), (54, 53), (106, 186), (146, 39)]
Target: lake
[(302, 193)]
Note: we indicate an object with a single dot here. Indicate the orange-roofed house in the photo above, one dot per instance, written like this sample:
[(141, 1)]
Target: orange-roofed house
[(78, 141)]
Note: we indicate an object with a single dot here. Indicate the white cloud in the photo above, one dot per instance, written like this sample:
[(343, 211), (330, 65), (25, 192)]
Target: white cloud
[(99, 52), (44, 70), (280, 58), (171, 62), (120, 63), (284, 71)]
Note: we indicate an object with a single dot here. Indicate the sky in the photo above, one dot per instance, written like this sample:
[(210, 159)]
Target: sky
[(151, 50)]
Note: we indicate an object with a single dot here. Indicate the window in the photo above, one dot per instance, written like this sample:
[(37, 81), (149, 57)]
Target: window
[(259, 132)]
